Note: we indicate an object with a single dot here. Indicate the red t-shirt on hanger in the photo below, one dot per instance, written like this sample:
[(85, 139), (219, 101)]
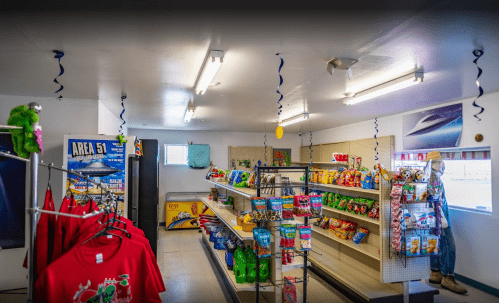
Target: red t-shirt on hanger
[(105, 270), (60, 229)]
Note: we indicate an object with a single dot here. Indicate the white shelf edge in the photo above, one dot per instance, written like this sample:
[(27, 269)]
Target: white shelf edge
[(230, 275)]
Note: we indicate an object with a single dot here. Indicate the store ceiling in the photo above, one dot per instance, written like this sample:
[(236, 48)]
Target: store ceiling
[(155, 57)]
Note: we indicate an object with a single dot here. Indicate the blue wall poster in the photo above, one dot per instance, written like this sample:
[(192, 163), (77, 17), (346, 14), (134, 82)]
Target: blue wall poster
[(103, 161), (432, 129)]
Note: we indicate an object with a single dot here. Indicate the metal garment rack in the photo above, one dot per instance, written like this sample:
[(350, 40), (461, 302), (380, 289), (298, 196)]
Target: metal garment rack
[(273, 169), (33, 210)]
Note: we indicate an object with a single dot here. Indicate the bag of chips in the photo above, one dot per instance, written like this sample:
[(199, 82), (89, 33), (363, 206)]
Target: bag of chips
[(305, 237), (358, 176), (374, 211), (324, 222), (351, 232), (360, 235), (301, 206), (258, 209), (289, 291), (341, 179), (342, 204), (351, 206), (287, 208), (366, 180), (316, 206), (274, 209)]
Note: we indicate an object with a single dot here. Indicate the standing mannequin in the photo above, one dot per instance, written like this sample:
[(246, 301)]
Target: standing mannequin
[(442, 266)]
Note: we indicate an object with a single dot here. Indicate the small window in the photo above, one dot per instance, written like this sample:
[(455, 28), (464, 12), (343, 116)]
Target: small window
[(175, 154), (467, 177)]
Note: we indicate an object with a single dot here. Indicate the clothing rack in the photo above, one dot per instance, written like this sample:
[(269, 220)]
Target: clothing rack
[(33, 210)]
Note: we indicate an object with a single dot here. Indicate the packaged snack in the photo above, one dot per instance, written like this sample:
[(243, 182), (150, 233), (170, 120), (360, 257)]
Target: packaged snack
[(336, 177), (430, 218), (350, 178), (358, 204), (289, 292), (406, 221), (291, 256), (305, 237), (316, 205), (263, 238), (413, 246), (324, 222), (360, 235), (351, 232), (287, 208), (331, 200), (341, 179), (335, 199), (351, 206), (397, 190), (284, 257), (366, 179), (429, 245), (288, 234), (325, 198), (374, 210), (408, 193), (420, 219), (274, 209), (301, 206), (343, 201), (334, 223), (358, 176), (375, 184), (259, 209)]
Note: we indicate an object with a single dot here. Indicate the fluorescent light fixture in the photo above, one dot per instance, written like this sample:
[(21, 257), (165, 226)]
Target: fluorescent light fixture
[(385, 88), (210, 69), (294, 119), (189, 113)]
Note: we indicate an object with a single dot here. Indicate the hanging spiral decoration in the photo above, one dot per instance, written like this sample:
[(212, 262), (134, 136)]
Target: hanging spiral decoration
[(376, 137), (58, 56), (279, 110), (121, 115), (478, 53), (265, 143), (310, 148)]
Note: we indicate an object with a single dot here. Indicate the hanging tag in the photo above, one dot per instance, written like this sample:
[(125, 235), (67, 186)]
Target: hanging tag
[(98, 258), (109, 236)]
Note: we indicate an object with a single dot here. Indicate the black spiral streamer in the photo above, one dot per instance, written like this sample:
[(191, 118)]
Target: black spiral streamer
[(310, 148), (121, 115), (265, 143), (376, 137), (279, 110), (58, 56), (478, 53)]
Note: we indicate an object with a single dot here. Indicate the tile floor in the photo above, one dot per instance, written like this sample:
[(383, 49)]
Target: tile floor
[(190, 275)]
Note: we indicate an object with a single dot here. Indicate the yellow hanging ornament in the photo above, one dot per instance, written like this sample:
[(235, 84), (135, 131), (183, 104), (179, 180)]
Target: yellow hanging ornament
[(279, 131)]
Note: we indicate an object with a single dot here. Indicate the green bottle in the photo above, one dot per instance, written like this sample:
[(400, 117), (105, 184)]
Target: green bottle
[(250, 266), (264, 270), (239, 266)]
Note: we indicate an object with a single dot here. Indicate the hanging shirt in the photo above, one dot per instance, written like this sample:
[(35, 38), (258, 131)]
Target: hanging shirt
[(44, 237), (60, 229), (103, 270), (89, 230)]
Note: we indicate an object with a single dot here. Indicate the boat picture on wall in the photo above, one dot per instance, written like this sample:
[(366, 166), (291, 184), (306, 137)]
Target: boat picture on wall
[(435, 128)]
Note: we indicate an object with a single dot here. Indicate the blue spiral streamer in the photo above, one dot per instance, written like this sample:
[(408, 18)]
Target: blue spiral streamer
[(265, 143), (478, 53), (58, 56), (121, 115), (310, 148), (279, 110), (376, 137)]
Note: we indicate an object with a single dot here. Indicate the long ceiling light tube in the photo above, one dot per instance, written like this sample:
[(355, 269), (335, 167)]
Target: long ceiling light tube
[(385, 88), (189, 113), (210, 69), (295, 119)]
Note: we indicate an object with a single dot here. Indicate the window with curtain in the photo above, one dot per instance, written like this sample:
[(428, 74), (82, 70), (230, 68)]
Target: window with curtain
[(175, 154), (467, 178)]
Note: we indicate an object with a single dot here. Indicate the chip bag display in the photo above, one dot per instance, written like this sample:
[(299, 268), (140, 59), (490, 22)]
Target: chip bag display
[(305, 237), (301, 206), (258, 209), (316, 205)]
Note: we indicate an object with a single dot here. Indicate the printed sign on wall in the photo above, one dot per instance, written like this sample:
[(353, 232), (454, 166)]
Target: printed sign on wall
[(103, 161), (435, 128)]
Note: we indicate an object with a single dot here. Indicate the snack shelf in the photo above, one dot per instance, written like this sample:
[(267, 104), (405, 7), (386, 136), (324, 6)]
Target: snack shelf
[(354, 216), (219, 256), (243, 191), (364, 248), (228, 217), (347, 188)]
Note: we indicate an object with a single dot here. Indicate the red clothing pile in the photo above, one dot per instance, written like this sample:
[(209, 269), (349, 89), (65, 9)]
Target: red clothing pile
[(109, 268)]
